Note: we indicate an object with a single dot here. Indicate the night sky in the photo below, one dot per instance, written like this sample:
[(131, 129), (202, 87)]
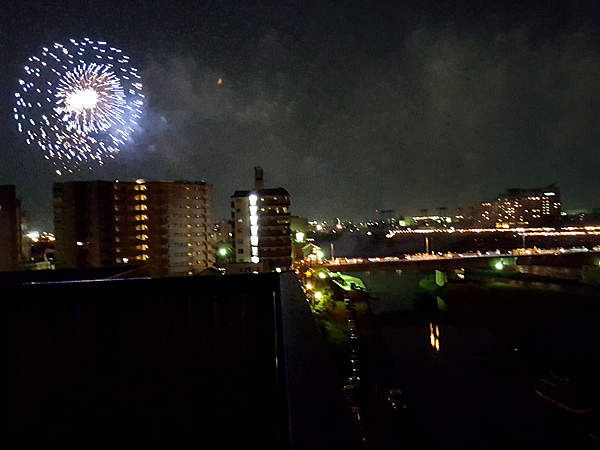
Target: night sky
[(354, 108)]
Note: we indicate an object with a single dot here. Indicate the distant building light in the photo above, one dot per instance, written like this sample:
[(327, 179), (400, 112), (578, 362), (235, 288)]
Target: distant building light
[(33, 235), (549, 194)]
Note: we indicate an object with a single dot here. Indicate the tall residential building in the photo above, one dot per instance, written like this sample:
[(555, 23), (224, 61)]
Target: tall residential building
[(10, 229), (261, 226), (163, 225), (521, 207)]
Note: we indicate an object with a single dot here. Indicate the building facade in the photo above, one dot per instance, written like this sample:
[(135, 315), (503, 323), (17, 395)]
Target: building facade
[(521, 207), (164, 226), (261, 227), (10, 229)]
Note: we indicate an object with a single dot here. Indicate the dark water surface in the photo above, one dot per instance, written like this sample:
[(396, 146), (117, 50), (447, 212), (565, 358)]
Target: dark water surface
[(460, 401)]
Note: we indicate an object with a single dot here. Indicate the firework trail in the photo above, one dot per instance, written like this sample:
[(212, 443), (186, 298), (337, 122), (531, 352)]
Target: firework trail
[(78, 102)]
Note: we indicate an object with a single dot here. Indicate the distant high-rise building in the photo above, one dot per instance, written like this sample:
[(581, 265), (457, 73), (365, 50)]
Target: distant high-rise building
[(163, 225), (521, 207), (10, 229), (261, 226)]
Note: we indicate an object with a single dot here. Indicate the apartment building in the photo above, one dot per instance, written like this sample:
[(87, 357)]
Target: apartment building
[(261, 226), (164, 226), (521, 207), (10, 229)]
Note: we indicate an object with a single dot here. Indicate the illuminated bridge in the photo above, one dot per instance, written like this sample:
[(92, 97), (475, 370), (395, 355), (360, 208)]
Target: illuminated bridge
[(445, 262)]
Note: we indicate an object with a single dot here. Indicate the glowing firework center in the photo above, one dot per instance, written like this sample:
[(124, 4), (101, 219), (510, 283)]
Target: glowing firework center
[(83, 99), (90, 99), (79, 102)]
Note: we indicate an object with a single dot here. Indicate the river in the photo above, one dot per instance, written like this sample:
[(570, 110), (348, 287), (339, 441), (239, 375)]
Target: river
[(460, 402)]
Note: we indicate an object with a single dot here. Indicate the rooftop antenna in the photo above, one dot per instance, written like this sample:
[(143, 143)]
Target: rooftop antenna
[(258, 179)]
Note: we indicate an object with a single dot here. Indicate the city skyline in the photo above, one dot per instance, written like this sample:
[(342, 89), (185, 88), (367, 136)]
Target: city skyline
[(376, 215), (352, 110)]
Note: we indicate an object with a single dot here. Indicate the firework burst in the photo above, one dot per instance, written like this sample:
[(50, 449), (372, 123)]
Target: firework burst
[(79, 102)]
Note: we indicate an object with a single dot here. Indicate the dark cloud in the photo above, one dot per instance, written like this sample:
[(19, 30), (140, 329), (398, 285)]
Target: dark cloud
[(357, 110)]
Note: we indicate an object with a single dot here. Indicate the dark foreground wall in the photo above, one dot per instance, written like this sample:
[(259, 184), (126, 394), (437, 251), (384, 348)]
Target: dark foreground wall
[(175, 362)]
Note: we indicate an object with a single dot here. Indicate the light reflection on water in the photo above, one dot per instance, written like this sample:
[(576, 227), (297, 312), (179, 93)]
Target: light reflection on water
[(461, 403), (434, 336)]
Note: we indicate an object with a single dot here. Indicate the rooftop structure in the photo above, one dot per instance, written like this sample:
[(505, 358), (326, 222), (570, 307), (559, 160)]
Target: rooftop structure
[(181, 362)]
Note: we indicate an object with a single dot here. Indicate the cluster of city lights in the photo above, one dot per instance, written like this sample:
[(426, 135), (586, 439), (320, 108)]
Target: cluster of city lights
[(36, 236), (544, 231)]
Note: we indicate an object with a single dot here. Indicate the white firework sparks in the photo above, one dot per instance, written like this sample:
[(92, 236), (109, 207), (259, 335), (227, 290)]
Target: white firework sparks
[(79, 102)]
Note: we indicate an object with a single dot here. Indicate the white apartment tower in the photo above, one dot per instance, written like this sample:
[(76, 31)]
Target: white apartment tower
[(261, 226)]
